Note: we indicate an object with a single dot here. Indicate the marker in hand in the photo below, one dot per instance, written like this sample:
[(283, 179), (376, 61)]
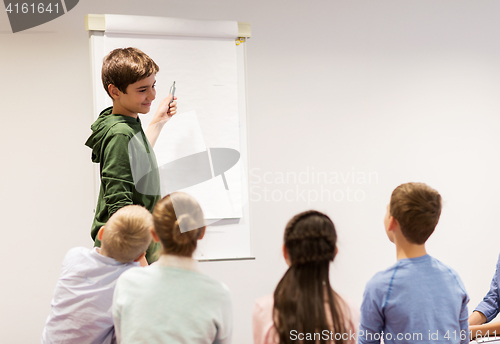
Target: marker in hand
[(172, 92)]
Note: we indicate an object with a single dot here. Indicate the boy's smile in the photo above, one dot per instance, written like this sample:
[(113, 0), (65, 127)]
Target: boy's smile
[(138, 98)]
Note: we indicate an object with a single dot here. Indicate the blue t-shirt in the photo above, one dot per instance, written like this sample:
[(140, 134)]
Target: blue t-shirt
[(490, 306), (417, 300)]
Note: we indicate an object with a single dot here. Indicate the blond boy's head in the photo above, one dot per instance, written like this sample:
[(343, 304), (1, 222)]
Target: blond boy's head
[(127, 234), (417, 208)]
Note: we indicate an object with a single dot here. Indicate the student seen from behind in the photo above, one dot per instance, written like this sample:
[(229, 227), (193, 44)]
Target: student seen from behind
[(81, 307), (304, 307), (171, 301), (418, 299), (124, 152)]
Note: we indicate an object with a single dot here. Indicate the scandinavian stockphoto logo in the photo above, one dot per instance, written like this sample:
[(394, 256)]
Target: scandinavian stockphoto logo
[(25, 15), (183, 173)]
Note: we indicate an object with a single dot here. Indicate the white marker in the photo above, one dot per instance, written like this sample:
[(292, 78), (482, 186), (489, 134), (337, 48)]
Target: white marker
[(172, 92)]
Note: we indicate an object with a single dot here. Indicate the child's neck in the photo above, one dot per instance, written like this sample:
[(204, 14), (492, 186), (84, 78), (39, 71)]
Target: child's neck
[(120, 110), (101, 250), (404, 250)]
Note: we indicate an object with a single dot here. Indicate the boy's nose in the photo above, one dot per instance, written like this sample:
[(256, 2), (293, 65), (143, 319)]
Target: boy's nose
[(152, 95)]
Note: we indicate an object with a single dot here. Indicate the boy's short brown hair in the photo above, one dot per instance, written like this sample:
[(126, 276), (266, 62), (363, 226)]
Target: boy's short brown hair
[(127, 234), (417, 208), (125, 66)]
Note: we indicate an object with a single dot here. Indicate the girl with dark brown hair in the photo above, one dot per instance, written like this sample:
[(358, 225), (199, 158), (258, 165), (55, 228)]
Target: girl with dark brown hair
[(305, 308)]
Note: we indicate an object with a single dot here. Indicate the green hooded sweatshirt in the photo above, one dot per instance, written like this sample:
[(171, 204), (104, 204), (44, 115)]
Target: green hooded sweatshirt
[(128, 169)]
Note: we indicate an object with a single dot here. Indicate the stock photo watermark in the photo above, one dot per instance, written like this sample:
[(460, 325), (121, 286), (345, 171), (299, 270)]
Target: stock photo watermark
[(25, 15), (450, 335), (310, 185)]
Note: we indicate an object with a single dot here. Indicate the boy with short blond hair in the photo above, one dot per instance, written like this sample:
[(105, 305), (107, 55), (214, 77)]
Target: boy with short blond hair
[(126, 236), (419, 299), (128, 167), (81, 307)]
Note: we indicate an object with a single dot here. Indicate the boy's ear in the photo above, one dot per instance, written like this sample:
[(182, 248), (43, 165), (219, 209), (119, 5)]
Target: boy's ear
[(202, 233), (154, 235), (393, 224), (99, 234), (143, 255), (114, 91)]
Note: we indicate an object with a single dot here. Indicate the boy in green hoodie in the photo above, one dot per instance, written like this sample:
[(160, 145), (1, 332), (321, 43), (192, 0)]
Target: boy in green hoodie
[(128, 168)]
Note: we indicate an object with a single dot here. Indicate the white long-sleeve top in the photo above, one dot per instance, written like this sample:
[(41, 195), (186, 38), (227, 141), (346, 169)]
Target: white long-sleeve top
[(81, 307)]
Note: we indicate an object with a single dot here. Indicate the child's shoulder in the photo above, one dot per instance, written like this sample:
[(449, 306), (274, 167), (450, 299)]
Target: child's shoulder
[(439, 265), (77, 251), (135, 272), (76, 254), (264, 302), (449, 274), (438, 268), (126, 128), (384, 276), (410, 271), (74, 258), (111, 124), (410, 267), (156, 274), (207, 282), (402, 270)]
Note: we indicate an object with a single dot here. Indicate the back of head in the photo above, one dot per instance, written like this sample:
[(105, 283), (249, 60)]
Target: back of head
[(417, 208), (310, 237), (301, 295), (125, 66), (127, 233), (179, 223)]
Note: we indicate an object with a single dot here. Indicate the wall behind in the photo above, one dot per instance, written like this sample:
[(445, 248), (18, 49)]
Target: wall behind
[(347, 99)]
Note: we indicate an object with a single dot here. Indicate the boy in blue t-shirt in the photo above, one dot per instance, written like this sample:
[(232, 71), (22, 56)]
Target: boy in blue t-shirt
[(419, 299)]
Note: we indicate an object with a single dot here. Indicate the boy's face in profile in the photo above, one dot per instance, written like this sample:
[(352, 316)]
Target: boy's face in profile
[(138, 98)]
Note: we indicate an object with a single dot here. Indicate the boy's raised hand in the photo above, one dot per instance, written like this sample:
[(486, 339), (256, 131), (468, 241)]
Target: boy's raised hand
[(165, 111)]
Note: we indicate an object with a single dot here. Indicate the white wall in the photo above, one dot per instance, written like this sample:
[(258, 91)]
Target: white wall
[(396, 90)]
